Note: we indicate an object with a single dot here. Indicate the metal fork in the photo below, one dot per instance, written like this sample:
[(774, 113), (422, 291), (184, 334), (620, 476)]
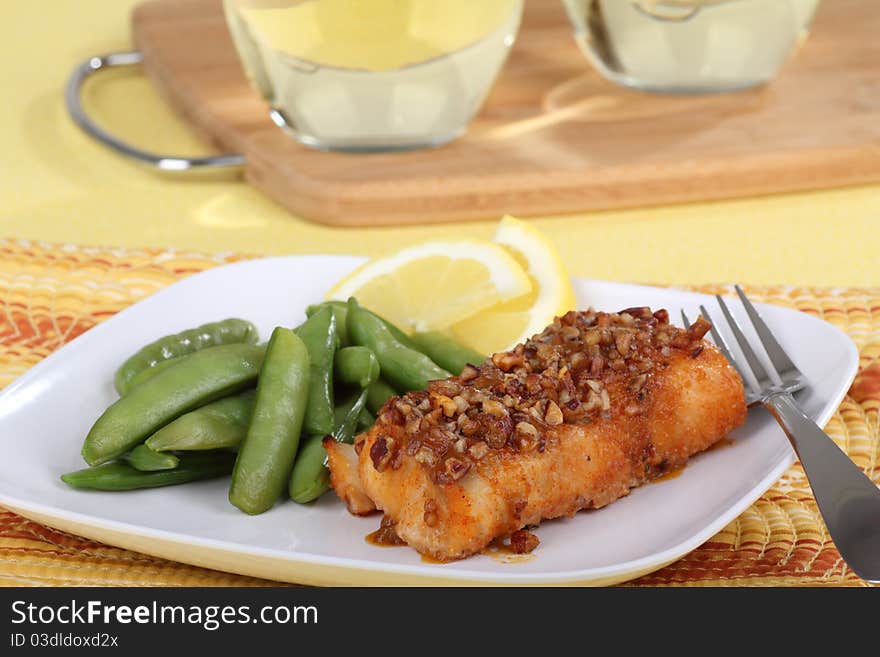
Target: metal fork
[(848, 500)]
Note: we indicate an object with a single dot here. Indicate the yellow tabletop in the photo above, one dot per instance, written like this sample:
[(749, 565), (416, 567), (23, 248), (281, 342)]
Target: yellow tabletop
[(59, 186)]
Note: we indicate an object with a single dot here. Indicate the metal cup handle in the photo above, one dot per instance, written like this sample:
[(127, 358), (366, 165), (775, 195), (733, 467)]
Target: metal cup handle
[(164, 163)]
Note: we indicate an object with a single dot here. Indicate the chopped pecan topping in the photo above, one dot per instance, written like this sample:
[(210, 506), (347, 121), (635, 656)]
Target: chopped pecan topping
[(493, 407), (450, 408), (553, 415), (455, 469), (622, 341), (662, 316), (461, 404), (523, 541), (584, 366), (699, 328), (469, 373), (507, 360), (478, 450), (425, 456), (527, 429), (638, 382), (380, 452)]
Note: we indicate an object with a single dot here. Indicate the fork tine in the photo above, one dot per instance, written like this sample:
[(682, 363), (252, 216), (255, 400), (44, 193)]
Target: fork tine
[(721, 343), (751, 358), (684, 318), (774, 350)]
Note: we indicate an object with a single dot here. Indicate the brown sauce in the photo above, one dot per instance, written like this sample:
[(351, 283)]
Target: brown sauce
[(672, 474), (721, 444), (429, 559), (385, 536), (676, 472), (500, 550)]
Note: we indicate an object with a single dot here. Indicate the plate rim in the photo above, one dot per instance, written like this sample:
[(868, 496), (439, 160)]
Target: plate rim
[(416, 573)]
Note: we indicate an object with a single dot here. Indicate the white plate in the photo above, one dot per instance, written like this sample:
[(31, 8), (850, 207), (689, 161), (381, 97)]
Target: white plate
[(45, 414)]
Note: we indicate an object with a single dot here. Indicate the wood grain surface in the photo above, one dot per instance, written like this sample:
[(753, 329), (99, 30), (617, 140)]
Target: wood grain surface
[(553, 137)]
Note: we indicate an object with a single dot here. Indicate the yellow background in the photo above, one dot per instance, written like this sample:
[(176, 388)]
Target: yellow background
[(56, 185)]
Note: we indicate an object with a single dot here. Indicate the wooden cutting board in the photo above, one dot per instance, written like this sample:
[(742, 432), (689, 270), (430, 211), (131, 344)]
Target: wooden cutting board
[(553, 136)]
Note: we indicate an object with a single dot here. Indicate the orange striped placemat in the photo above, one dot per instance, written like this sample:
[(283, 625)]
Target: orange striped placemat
[(51, 293)]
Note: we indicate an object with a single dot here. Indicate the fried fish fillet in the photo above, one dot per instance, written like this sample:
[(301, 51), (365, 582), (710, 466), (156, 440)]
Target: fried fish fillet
[(572, 419)]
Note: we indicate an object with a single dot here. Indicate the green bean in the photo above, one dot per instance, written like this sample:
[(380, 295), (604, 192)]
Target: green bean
[(446, 352), (265, 458), (310, 477), (228, 331), (220, 424), (404, 368), (318, 333), (122, 476), (377, 394), (146, 460), (356, 366), (340, 309), (202, 377)]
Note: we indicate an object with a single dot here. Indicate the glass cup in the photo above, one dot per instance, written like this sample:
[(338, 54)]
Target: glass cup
[(373, 75), (690, 46)]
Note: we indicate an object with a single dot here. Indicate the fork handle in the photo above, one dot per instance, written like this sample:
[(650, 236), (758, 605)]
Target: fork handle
[(848, 500)]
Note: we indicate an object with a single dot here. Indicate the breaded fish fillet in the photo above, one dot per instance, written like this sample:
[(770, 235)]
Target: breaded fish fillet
[(572, 419)]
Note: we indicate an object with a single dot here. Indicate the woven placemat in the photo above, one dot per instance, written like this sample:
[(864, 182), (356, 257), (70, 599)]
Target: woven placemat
[(51, 293)]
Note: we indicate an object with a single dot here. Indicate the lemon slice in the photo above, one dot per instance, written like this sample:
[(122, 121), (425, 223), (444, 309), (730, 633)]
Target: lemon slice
[(430, 286), (508, 323)]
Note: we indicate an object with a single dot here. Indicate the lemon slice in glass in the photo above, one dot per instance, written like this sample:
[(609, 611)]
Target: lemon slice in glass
[(430, 286), (510, 322)]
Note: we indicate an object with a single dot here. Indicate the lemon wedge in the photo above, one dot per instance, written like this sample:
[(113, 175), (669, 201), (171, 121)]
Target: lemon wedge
[(433, 285), (510, 322)]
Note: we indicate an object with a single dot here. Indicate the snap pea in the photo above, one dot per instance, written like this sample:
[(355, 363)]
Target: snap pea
[(339, 312), (202, 377), (310, 477), (149, 373), (345, 430), (356, 366), (318, 333), (446, 351), (220, 424), (227, 331), (340, 309), (365, 420), (404, 368), (266, 455), (122, 476), (146, 460), (344, 408), (378, 393)]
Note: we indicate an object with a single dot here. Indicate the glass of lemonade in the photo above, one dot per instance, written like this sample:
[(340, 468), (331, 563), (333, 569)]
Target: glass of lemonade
[(690, 46), (373, 75)]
